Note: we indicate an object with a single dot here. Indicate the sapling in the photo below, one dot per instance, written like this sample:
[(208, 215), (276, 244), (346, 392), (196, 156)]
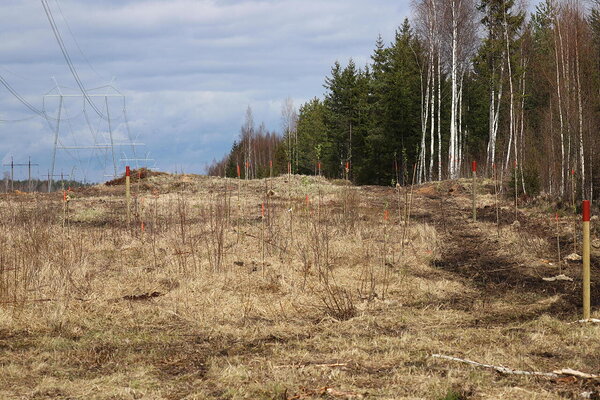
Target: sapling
[(407, 207)]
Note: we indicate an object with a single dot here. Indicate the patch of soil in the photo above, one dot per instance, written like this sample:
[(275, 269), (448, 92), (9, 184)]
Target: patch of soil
[(136, 175), (475, 258)]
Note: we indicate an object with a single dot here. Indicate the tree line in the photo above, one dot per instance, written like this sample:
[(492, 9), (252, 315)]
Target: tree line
[(461, 80)]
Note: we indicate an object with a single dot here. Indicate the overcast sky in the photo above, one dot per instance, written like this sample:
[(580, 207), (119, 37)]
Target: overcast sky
[(188, 70)]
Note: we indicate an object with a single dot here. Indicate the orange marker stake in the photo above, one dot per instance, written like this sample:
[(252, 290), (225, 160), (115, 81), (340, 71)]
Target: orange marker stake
[(586, 259), (262, 209), (386, 215), (128, 191), (238, 171)]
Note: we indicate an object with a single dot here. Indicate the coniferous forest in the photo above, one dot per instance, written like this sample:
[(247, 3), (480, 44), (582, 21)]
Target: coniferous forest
[(462, 80)]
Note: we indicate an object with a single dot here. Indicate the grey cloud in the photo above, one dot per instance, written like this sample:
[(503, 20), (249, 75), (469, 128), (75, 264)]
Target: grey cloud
[(189, 68)]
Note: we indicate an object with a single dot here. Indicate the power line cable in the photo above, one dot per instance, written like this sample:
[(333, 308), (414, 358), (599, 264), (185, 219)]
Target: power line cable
[(17, 120), (75, 40), (20, 98), (65, 53)]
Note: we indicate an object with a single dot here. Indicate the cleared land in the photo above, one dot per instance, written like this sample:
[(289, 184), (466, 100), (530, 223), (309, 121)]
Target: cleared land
[(332, 294)]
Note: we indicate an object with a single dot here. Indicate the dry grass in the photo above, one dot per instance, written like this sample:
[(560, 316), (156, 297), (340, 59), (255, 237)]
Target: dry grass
[(212, 301)]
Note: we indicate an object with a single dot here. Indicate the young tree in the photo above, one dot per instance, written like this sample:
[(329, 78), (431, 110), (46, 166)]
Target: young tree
[(289, 120)]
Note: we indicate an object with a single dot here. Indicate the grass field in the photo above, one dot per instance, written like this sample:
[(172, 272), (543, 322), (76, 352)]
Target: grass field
[(299, 289)]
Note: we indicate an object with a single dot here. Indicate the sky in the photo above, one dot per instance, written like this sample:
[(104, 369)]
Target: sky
[(186, 70)]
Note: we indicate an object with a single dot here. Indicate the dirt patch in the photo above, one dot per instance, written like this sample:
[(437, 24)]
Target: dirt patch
[(474, 257), (136, 175)]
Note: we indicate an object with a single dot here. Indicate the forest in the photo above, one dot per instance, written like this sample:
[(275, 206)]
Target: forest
[(462, 81)]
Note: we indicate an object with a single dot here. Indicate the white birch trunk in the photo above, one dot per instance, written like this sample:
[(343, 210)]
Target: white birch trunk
[(580, 118), (560, 113), (511, 130), (452, 170), (439, 113)]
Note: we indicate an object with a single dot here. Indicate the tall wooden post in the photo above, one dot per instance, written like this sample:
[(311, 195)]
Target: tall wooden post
[(474, 170), (12, 174), (586, 259), (128, 192)]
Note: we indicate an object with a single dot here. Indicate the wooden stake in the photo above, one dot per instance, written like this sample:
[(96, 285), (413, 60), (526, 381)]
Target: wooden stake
[(586, 259), (128, 191), (474, 170), (239, 175), (558, 244), (516, 192), (496, 196), (262, 236), (574, 209), (347, 170)]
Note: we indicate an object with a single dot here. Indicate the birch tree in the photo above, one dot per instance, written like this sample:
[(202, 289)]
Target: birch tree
[(460, 17)]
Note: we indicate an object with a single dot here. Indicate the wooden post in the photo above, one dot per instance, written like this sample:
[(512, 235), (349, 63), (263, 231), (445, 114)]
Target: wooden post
[(586, 259), (558, 244), (239, 175), (128, 192), (474, 170), (262, 236), (574, 209), (516, 193), (496, 197)]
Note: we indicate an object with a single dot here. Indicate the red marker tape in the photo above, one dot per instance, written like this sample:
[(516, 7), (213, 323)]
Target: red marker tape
[(572, 172), (127, 171), (474, 166), (143, 227), (586, 211), (347, 165), (556, 217), (494, 165), (306, 200), (386, 215), (271, 163), (64, 195), (319, 164), (262, 209)]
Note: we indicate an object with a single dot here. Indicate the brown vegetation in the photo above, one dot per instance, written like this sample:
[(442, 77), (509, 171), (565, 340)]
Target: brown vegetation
[(317, 299)]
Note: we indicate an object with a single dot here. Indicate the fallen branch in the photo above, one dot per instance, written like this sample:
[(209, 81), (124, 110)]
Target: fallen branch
[(579, 374), (504, 370), (587, 321), (561, 277)]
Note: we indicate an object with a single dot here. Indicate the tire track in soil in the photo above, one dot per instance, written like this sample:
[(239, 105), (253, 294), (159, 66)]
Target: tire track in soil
[(471, 254)]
